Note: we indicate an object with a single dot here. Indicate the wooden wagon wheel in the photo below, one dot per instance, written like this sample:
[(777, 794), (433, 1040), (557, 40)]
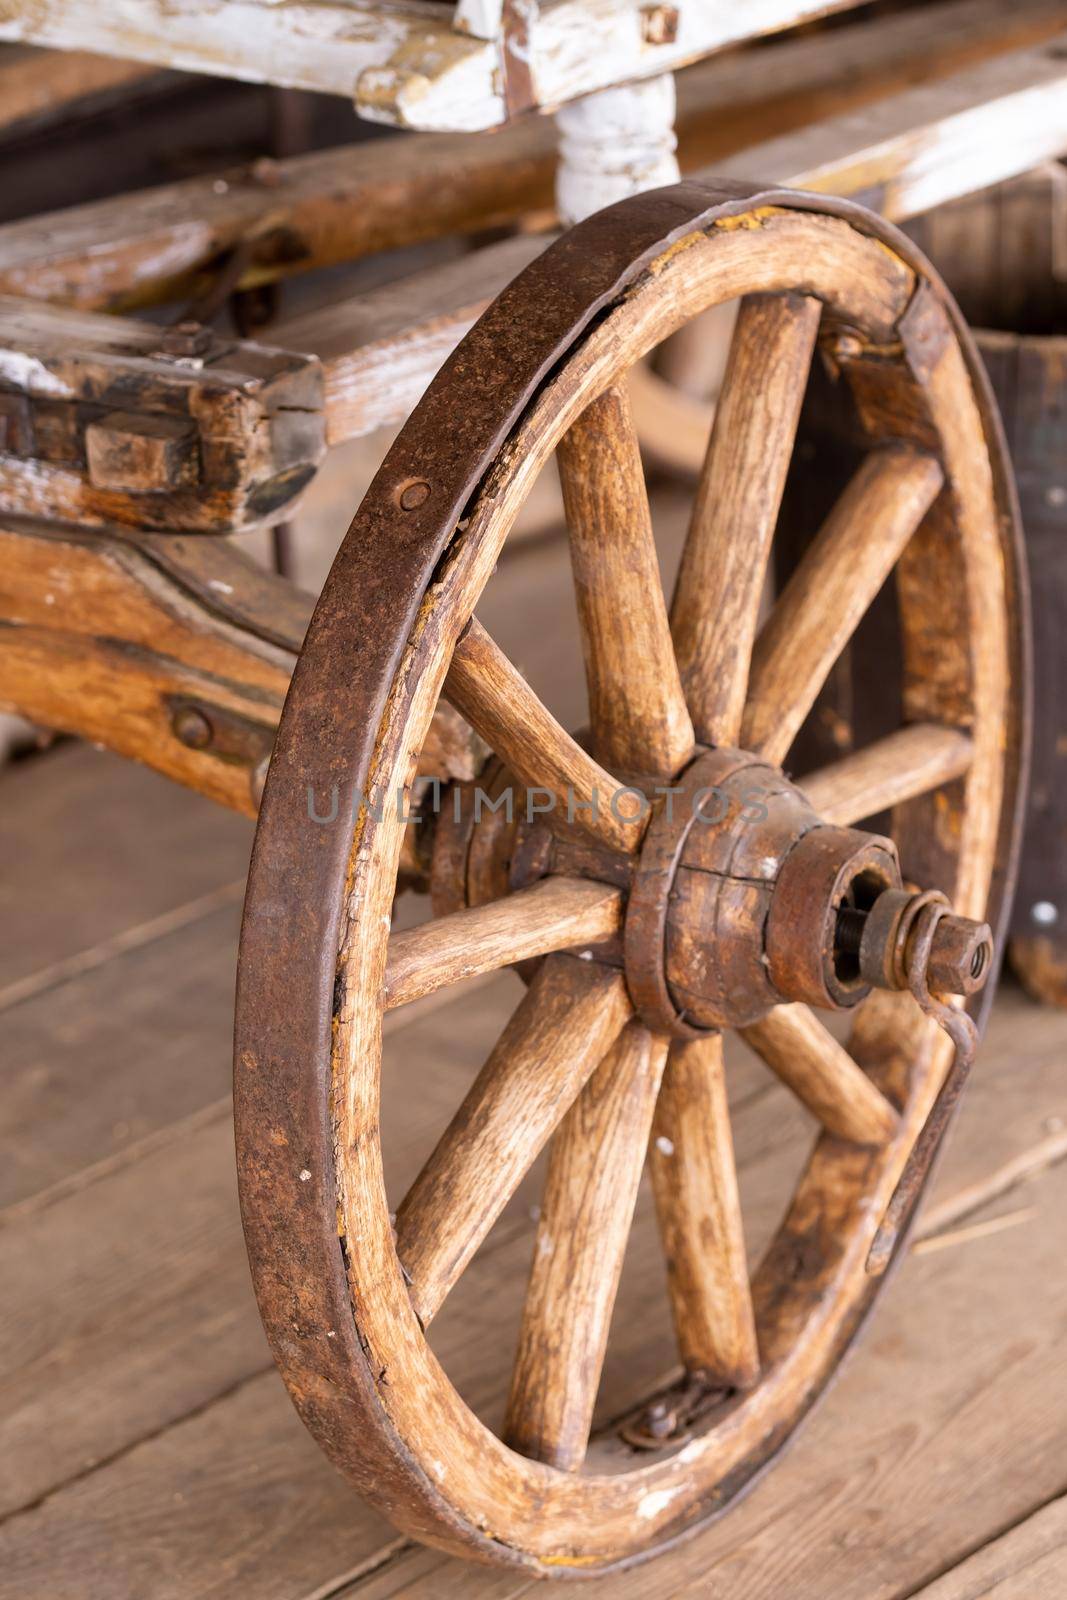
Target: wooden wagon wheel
[(737, 917)]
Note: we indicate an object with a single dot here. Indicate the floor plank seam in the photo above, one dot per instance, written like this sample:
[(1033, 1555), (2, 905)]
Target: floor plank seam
[(379, 1562), (131, 1156), (1022, 1169), (120, 944), (935, 1576), (131, 1445)]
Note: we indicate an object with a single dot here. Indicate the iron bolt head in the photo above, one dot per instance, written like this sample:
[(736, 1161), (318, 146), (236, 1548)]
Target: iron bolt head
[(186, 339), (192, 728)]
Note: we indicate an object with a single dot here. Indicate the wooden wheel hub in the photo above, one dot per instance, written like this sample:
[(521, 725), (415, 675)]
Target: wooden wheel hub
[(736, 897)]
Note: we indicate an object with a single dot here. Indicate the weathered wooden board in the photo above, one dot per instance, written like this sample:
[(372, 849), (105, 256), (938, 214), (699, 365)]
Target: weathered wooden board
[(337, 205), (908, 1465), (155, 851), (151, 1315), (313, 210), (916, 150), (105, 421), (379, 349), (910, 1409), (909, 152), (1029, 1563), (105, 1061), (38, 84), (404, 62)]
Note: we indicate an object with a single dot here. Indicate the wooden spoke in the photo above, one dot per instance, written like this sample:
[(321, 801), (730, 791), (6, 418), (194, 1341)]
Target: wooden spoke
[(821, 1073), (695, 1184), (821, 605), (900, 767), (594, 1172), (497, 701), (571, 1015), (549, 916), (717, 597), (637, 708)]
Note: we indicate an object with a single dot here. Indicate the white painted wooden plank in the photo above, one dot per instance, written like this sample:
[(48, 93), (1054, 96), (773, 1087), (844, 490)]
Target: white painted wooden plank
[(403, 62), (935, 143), (303, 45)]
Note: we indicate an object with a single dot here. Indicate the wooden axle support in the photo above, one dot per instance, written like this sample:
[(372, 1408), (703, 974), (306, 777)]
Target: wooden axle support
[(106, 421), (172, 651)]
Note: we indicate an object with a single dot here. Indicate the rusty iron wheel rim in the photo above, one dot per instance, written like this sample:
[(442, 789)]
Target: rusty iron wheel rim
[(336, 1308)]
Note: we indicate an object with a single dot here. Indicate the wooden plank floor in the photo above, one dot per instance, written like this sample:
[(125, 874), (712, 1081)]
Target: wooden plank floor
[(147, 1449)]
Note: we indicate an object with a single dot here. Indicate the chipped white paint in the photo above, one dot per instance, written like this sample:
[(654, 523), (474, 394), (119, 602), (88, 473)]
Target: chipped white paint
[(613, 144), (480, 18), (409, 69), (664, 1145), (219, 586), (304, 46), (545, 1244), (31, 376), (657, 1500), (305, 1176), (1017, 104)]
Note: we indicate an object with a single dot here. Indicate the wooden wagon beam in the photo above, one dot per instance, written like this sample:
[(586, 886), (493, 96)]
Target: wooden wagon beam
[(106, 421), (37, 84), (406, 66), (338, 205), (923, 147), (176, 653)]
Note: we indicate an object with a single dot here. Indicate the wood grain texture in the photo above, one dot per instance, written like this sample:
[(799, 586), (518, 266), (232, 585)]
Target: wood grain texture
[(156, 851), (881, 775), (595, 1166), (569, 1018), (1028, 1563), (834, 584), (720, 582), (107, 638), (344, 203), (167, 429), (78, 1538), (499, 704), (691, 1158), (406, 66), (637, 709), (533, 922), (796, 1045), (919, 148), (39, 85)]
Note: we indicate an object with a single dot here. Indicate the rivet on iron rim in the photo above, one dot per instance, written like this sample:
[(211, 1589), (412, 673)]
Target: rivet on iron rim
[(192, 728), (413, 494)]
